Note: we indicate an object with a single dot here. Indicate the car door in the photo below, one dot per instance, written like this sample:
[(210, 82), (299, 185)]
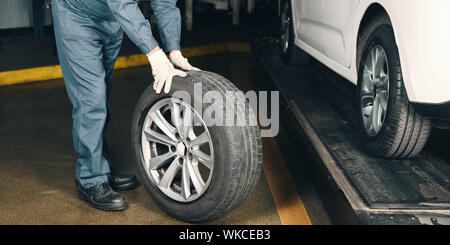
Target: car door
[(338, 29), (308, 22)]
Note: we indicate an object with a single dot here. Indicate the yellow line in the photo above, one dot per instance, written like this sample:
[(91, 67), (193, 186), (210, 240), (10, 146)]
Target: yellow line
[(289, 204), (54, 72)]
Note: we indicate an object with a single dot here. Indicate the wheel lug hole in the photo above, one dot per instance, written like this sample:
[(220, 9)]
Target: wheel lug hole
[(177, 135), (188, 140), (173, 148), (180, 160), (190, 156)]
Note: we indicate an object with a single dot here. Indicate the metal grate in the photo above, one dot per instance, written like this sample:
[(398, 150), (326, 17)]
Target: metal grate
[(16, 14)]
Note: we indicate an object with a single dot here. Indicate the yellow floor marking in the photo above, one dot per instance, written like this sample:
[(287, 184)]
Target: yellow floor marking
[(54, 72), (289, 204)]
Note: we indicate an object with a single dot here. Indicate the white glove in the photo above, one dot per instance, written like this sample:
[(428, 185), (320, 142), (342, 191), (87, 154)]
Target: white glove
[(163, 71), (177, 59)]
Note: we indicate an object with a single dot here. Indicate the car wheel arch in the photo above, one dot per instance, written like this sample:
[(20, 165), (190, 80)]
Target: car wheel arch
[(373, 13), (369, 11)]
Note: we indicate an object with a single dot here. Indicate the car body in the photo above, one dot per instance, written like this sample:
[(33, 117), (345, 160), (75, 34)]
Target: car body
[(328, 30)]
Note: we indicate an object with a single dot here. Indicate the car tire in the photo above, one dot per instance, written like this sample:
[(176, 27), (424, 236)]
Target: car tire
[(389, 126), (291, 54), (236, 151)]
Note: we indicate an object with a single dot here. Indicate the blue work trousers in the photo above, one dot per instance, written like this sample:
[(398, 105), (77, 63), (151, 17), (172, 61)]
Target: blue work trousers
[(88, 40)]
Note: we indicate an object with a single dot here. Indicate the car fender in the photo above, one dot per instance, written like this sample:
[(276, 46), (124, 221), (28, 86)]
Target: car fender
[(422, 33)]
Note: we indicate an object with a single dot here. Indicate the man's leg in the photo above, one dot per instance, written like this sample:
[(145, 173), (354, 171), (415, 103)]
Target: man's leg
[(110, 52), (81, 57), (80, 51), (168, 19)]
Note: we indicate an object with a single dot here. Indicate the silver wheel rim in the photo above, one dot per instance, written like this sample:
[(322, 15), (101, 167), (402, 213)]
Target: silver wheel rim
[(178, 156), (374, 94), (285, 23)]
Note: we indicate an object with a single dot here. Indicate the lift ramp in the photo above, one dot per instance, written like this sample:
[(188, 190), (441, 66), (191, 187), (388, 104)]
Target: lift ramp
[(378, 191)]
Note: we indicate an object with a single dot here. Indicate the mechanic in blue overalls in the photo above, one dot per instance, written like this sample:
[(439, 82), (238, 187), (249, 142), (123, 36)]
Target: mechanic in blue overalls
[(88, 38)]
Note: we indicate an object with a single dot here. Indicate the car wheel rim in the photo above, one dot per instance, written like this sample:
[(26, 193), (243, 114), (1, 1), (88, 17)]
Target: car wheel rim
[(178, 155), (374, 94), (285, 23)]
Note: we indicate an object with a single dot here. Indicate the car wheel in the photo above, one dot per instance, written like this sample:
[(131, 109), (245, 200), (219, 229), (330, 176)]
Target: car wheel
[(290, 53), (389, 125), (200, 172)]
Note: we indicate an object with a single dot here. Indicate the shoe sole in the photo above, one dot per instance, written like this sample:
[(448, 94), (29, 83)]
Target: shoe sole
[(85, 198)]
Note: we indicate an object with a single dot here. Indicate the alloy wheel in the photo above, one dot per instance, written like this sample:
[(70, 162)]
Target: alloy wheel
[(178, 155), (374, 95)]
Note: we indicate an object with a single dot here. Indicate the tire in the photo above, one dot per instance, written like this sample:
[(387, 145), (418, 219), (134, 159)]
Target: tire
[(290, 53), (236, 152), (395, 130)]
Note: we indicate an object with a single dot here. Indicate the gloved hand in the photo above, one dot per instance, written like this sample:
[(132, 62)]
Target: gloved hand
[(177, 59), (163, 71)]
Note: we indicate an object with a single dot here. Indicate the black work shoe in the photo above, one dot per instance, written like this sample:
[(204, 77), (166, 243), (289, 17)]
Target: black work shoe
[(123, 182), (102, 197)]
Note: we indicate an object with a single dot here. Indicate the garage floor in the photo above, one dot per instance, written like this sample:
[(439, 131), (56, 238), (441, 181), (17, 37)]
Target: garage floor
[(37, 160)]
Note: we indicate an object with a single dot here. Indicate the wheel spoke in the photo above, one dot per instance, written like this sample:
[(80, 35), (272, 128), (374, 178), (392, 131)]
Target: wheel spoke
[(163, 124), (203, 158), (176, 117), (153, 136), (384, 100), (367, 72), (379, 62), (380, 114), (157, 162), (367, 78), (170, 173), (200, 140), (185, 181), (375, 114), (374, 61), (187, 121), (197, 171), (195, 178), (368, 67)]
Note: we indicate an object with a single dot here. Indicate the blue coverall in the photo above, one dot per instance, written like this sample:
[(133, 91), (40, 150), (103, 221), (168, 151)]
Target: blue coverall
[(88, 37)]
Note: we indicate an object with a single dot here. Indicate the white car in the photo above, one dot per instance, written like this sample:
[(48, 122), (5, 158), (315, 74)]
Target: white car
[(396, 52)]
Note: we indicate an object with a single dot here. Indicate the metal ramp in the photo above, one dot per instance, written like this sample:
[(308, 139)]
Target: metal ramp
[(379, 191)]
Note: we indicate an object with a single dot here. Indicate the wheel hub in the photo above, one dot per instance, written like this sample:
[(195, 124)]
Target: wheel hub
[(181, 149)]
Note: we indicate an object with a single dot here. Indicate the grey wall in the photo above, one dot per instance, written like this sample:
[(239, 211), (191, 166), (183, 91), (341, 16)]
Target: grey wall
[(19, 13)]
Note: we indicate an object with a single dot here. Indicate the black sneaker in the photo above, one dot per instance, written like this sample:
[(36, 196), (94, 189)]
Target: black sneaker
[(102, 197), (123, 182)]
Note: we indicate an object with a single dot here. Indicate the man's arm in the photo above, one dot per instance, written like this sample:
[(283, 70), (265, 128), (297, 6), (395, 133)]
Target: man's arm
[(137, 28), (130, 18), (168, 19)]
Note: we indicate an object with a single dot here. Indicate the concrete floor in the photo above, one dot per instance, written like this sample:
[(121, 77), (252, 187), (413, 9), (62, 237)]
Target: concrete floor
[(37, 160)]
